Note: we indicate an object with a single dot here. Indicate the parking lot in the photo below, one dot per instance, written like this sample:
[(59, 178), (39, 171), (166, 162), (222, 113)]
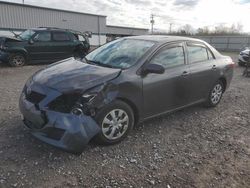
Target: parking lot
[(195, 147)]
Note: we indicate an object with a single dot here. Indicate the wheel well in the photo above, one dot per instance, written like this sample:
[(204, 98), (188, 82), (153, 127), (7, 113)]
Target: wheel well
[(77, 47), (20, 52), (133, 107), (224, 82)]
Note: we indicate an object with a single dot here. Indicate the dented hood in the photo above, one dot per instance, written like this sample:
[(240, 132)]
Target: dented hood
[(8, 39), (74, 75)]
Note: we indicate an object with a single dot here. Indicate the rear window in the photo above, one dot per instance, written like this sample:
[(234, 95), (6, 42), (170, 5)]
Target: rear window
[(61, 36), (42, 37), (81, 38), (197, 53)]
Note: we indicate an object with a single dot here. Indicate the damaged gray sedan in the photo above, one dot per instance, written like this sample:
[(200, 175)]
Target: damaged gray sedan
[(103, 95)]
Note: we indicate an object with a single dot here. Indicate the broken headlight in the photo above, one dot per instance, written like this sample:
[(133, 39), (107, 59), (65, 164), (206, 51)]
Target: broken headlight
[(86, 103), (64, 103), (82, 105), (88, 97)]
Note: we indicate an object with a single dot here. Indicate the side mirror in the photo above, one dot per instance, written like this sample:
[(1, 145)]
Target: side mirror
[(31, 41), (153, 68)]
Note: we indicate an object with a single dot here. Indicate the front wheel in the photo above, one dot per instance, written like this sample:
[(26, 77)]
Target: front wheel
[(215, 94), (115, 120), (17, 60)]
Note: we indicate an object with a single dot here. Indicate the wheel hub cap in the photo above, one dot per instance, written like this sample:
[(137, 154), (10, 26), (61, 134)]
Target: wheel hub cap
[(18, 60), (115, 124), (216, 94)]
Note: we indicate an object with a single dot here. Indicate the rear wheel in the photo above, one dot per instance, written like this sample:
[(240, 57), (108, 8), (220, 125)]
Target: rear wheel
[(115, 120), (215, 94), (241, 64), (17, 60)]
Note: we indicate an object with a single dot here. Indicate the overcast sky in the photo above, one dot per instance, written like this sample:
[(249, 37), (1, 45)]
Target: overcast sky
[(136, 13)]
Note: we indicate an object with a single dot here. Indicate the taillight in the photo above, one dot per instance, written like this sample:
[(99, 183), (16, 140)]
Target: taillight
[(232, 64)]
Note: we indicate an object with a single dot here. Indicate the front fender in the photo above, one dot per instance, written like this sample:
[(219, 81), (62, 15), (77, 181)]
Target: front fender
[(18, 50)]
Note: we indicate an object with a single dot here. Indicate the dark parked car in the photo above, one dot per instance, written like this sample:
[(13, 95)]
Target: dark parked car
[(244, 56), (40, 45), (120, 84)]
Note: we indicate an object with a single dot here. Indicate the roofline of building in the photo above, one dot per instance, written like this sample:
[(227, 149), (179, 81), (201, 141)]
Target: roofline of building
[(47, 8), (124, 27)]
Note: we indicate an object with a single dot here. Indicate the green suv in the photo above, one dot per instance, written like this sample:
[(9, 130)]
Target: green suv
[(42, 45)]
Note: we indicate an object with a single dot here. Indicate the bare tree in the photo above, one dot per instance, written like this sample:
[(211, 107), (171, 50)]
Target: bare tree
[(186, 30), (239, 27), (203, 31), (233, 29)]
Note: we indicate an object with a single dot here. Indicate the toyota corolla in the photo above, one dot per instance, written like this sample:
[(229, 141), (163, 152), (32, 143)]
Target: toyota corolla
[(120, 84)]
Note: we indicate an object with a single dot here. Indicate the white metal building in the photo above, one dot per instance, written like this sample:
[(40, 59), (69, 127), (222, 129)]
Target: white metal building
[(17, 17)]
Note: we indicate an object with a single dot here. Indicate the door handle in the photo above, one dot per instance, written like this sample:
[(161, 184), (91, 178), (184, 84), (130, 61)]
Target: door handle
[(214, 67), (185, 73)]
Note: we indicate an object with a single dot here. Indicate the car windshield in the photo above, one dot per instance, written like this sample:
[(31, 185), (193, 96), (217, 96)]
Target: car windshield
[(121, 53), (26, 34)]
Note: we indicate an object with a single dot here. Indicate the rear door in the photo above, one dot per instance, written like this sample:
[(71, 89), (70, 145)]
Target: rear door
[(203, 69), (63, 44), (167, 91)]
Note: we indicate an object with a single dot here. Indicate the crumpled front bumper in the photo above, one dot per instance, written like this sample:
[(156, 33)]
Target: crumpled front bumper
[(63, 130)]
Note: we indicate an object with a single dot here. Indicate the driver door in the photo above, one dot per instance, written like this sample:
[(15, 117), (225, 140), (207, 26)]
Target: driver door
[(40, 48), (167, 91)]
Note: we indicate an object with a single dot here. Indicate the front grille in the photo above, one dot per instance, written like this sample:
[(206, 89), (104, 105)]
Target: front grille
[(34, 97), (64, 103)]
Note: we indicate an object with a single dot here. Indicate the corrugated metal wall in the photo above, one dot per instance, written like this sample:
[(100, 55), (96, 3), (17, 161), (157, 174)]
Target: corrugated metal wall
[(126, 30), (22, 17), (18, 16), (227, 43)]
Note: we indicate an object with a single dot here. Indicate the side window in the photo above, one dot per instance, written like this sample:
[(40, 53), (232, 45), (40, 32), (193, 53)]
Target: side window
[(42, 37), (197, 53), (61, 36), (81, 38), (170, 57)]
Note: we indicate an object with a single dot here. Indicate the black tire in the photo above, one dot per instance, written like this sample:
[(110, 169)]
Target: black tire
[(241, 64), (211, 101), (105, 113), (17, 60)]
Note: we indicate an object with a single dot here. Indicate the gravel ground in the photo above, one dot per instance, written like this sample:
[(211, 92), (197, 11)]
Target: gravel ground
[(195, 147)]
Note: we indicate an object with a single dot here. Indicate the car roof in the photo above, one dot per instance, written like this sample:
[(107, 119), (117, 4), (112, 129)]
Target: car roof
[(56, 29), (163, 38)]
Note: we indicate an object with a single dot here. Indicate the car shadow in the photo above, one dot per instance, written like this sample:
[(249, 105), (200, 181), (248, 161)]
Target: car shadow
[(19, 139)]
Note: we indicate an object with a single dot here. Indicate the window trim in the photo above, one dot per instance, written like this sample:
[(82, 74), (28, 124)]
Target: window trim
[(200, 44), (213, 57), (168, 46)]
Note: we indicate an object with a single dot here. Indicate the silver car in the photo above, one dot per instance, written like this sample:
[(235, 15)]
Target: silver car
[(244, 56)]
